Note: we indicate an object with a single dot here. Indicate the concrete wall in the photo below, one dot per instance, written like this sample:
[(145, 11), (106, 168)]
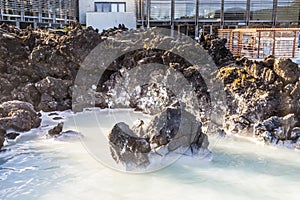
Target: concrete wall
[(86, 6), (107, 20)]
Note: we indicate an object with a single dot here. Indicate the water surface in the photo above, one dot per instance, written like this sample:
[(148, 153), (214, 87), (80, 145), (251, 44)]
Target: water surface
[(37, 167)]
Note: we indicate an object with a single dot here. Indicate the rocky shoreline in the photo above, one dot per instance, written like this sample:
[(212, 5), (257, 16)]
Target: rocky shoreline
[(39, 67)]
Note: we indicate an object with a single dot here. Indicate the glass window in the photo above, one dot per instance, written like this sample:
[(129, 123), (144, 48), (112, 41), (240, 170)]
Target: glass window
[(185, 9), (121, 7), (114, 7), (235, 10), (109, 7), (106, 7), (210, 9), (288, 10), (261, 10), (99, 7), (160, 9)]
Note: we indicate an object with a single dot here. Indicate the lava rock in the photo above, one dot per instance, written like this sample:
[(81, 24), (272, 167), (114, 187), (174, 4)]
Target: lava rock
[(287, 70), (277, 129), (218, 51), (68, 136), (127, 148), (12, 136), (56, 130), (18, 115), (54, 92), (2, 139), (172, 131), (295, 134)]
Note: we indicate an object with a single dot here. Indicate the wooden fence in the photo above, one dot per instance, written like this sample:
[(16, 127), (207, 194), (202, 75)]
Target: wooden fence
[(259, 42)]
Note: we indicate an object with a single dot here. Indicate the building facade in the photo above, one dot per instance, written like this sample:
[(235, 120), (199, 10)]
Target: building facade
[(104, 14), (38, 12), (205, 15), (192, 16)]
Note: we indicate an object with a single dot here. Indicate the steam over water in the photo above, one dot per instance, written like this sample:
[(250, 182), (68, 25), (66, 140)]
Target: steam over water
[(37, 167)]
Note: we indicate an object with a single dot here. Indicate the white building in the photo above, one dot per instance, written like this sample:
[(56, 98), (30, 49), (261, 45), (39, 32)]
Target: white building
[(104, 14)]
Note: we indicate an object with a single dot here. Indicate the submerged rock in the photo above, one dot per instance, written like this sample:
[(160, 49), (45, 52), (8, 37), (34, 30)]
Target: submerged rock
[(68, 136), (56, 130), (12, 136)]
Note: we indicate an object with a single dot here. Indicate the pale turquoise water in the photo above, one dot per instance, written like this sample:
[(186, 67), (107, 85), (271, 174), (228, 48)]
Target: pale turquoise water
[(40, 168)]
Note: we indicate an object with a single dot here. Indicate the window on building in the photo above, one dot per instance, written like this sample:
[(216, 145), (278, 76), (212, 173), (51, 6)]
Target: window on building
[(110, 7)]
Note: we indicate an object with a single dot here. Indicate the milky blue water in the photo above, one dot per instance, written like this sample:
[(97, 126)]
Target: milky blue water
[(37, 167)]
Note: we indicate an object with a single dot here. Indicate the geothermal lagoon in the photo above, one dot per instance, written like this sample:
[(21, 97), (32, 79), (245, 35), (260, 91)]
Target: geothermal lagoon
[(37, 167)]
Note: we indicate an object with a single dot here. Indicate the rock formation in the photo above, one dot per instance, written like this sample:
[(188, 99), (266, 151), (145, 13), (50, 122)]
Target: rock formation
[(55, 131), (19, 116), (40, 66), (172, 131), (261, 95)]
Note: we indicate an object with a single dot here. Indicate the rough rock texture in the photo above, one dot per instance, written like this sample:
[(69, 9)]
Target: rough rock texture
[(69, 135), (56, 130), (261, 93), (12, 136), (173, 130), (39, 66), (127, 147), (219, 53), (19, 116), (279, 130), (2, 139)]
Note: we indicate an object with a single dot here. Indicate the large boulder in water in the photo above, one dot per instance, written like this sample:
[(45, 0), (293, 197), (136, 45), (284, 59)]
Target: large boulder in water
[(18, 115), (128, 148), (172, 131), (279, 130)]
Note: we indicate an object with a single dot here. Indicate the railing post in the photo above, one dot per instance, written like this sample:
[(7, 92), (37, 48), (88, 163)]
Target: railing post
[(274, 43), (222, 14), (258, 47), (197, 20), (148, 13), (172, 17), (248, 13), (294, 44), (274, 13)]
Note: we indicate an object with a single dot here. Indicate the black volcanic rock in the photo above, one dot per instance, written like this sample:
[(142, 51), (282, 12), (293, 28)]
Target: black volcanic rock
[(263, 97), (173, 130), (287, 70), (217, 50), (279, 130), (18, 115), (128, 148), (39, 66), (2, 139), (56, 130), (12, 136)]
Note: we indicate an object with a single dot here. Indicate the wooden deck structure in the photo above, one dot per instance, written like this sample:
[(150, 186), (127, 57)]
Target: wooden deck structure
[(259, 42)]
